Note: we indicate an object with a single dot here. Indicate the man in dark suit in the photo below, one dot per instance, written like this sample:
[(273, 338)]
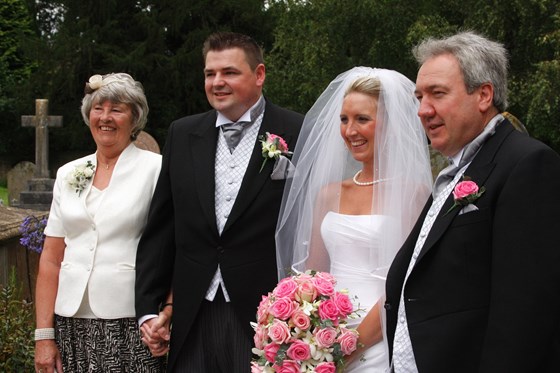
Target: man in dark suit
[(210, 232), (476, 286)]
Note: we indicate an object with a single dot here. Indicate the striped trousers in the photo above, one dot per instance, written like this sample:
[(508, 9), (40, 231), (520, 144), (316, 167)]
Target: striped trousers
[(217, 342)]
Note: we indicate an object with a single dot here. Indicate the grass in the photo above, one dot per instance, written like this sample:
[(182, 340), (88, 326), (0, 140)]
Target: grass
[(4, 195)]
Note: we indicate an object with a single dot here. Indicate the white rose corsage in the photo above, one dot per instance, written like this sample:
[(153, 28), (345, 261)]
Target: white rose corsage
[(81, 176)]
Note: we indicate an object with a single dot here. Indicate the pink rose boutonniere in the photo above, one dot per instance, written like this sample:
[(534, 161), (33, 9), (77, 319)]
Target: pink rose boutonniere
[(275, 147), (465, 193)]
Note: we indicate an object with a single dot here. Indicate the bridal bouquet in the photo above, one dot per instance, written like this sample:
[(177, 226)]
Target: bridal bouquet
[(301, 326)]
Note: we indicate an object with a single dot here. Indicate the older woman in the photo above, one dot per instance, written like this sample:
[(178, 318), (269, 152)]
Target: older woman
[(85, 286)]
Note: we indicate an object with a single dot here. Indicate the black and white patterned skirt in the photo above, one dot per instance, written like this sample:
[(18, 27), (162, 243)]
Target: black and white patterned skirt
[(97, 345)]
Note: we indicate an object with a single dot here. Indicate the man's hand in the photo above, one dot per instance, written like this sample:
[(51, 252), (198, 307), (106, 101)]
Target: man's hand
[(156, 335)]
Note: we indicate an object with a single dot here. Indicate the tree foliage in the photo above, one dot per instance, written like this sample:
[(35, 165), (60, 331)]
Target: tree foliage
[(49, 48), (16, 27)]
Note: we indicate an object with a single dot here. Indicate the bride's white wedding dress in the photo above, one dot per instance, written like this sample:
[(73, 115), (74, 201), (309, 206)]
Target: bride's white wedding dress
[(351, 241)]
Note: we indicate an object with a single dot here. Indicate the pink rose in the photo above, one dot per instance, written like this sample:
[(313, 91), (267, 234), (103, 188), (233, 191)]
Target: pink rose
[(348, 341), (283, 308), (256, 368), (286, 288), (326, 276), (299, 351), (325, 368), (260, 337), (464, 189), (306, 292), (323, 286), (300, 320), (279, 332), (282, 145), (262, 310), (304, 277), (270, 351), (328, 310), (325, 337), (288, 366), (343, 304)]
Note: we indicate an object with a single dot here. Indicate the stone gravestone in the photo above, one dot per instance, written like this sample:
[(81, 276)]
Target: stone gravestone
[(146, 142), (39, 193), (18, 178)]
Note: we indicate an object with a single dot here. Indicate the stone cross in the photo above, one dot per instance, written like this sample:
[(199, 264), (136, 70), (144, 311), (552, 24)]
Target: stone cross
[(41, 121)]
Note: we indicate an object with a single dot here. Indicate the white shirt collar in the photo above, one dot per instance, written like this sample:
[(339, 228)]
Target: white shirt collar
[(246, 117), (456, 159)]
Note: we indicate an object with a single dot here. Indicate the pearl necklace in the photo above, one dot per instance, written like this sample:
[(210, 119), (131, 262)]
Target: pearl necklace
[(366, 183)]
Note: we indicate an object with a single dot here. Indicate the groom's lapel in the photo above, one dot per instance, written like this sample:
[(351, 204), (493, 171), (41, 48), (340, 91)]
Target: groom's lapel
[(203, 153), (255, 179), (479, 171)]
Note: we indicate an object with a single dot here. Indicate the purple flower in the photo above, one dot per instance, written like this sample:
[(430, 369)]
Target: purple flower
[(32, 236)]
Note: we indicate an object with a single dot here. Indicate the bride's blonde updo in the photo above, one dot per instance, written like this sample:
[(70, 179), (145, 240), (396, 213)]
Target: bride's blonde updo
[(367, 85)]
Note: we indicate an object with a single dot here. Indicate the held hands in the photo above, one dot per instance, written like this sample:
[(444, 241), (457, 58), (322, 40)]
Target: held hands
[(156, 333), (47, 357)]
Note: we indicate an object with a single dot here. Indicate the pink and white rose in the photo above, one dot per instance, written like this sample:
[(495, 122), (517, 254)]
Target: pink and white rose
[(343, 303), (256, 368), (299, 351), (326, 276), (323, 286), (325, 337), (288, 366), (306, 292), (283, 308), (260, 337), (348, 341), (328, 310), (327, 367), (286, 288), (300, 320), (270, 351), (263, 309), (279, 332)]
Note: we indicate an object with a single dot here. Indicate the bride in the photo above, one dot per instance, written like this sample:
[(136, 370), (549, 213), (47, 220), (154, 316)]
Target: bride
[(362, 176)]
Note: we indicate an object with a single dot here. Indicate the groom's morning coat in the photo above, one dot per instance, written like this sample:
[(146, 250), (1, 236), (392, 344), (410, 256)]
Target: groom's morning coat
[(484, 293), (181, 247)]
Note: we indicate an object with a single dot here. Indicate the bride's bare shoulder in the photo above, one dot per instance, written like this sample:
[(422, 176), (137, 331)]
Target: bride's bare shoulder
[(330, 193)]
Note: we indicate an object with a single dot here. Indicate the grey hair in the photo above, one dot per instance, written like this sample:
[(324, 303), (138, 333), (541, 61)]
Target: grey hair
[(119, 88), (480, 60), (368, 85)]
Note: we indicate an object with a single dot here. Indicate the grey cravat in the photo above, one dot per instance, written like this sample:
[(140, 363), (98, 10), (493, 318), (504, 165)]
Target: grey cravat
[(232, 133), (471, 149)]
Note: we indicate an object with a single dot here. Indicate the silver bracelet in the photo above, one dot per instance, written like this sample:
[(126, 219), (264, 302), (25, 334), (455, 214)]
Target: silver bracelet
[(44, 333)]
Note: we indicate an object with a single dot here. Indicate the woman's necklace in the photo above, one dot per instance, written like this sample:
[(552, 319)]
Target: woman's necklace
[(107, 165), (366, 183)]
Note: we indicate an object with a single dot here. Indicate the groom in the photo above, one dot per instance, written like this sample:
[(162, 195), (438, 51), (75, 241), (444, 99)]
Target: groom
[(476, 286), (210, 231)]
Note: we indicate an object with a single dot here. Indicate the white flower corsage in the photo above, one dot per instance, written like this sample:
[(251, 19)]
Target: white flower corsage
[(95, 82), (81, 176), (275, 147)]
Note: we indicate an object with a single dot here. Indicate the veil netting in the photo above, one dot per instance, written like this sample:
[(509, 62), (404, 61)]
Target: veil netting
[(322, 162)]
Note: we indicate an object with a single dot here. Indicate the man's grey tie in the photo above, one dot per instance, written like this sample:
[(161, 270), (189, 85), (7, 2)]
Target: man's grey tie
[(232, 133), (449, 172)]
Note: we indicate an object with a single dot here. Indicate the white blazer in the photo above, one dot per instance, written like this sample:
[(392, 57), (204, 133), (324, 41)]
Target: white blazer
[(100, 252)]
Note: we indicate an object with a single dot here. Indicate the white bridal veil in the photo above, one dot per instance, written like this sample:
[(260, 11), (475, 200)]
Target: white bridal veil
[(322, 162)]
